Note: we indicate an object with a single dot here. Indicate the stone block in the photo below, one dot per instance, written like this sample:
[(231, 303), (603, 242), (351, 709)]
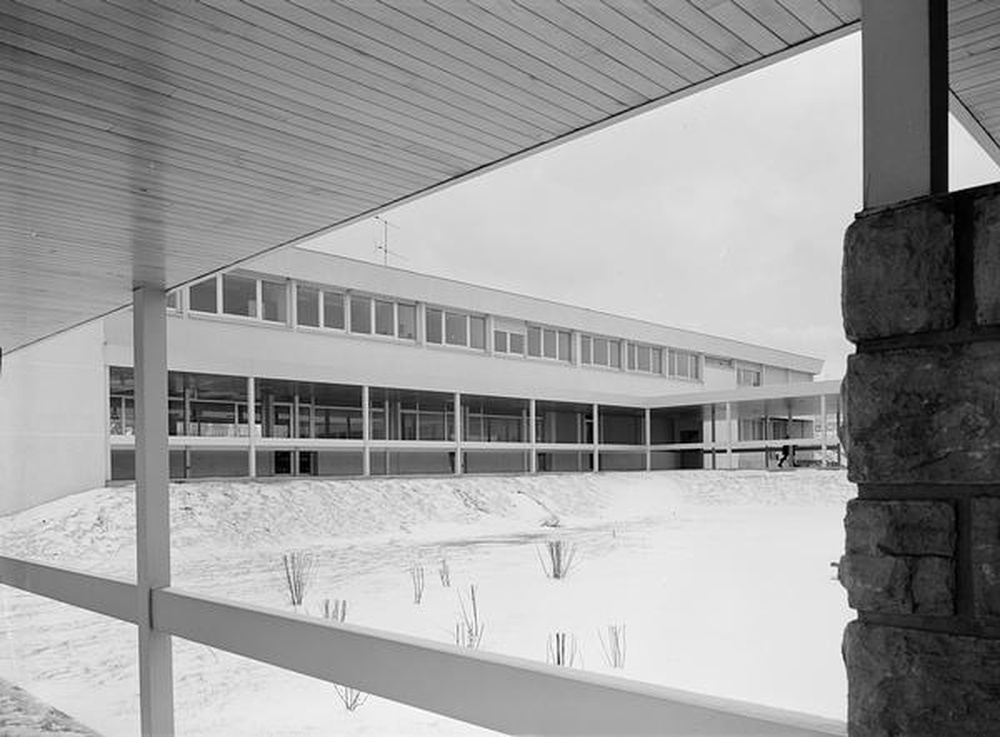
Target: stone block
[(900, 527), (986, 557), (890, 584), (925, 415), (986, 254), (876, 583), (920, 684), (899, 271), (932, 586)]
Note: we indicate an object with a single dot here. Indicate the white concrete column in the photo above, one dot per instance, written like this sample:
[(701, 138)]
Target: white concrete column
[(366, 430), (152, 506), (252, 427), (904, 46), (822, 432), (729, 435), (421, 331), (532, 436), (490, 327), (458, 433), (597, 437), (647, 437)]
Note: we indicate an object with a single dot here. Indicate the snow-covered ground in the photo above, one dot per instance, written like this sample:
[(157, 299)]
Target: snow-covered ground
[(722, 580)]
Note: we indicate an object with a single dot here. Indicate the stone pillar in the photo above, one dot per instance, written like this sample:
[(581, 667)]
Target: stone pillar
[(921, 301)]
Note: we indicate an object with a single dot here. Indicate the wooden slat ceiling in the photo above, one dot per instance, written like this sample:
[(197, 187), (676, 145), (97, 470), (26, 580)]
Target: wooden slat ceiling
[(159, 141)]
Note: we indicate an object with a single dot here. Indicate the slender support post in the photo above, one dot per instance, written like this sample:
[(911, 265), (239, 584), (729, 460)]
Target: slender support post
[(766, 433), (152, 504), (729, 435), (458, 433), (252, 426), (532, 436), (904, 45), (713, 437), (366, 431), (839, 459), (647, 426), (597, 438), (822, 431)]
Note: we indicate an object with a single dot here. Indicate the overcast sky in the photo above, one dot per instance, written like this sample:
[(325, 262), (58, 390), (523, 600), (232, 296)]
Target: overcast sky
[(722, 213)]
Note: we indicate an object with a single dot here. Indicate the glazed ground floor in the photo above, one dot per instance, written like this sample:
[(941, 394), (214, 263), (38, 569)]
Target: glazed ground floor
[(243, 426)]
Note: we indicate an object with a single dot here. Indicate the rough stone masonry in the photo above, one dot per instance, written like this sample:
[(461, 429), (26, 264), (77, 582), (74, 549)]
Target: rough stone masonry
[(921, 302)]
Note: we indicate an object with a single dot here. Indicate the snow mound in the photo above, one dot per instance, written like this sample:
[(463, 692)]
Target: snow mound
[(95, 529)]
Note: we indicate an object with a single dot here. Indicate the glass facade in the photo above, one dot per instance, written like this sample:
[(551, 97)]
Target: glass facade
[(274, 301), (411, 415), (434, 331), (407, 323), (333, 310), (384, 318), (361, 315), (239, 295), (203, 296), (307, 305), (494, 419), (456, 329)]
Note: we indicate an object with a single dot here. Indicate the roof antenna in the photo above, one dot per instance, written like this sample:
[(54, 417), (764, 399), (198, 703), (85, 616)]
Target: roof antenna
[(382, 244)]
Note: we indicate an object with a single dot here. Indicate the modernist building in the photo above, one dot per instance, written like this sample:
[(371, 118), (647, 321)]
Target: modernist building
[(312, 364)]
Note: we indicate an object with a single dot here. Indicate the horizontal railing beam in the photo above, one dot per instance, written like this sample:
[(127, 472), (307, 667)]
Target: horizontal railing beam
[(508, 694), (111, 597)]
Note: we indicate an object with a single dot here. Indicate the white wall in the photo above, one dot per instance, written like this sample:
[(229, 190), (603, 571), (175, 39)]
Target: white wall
[(53, 419)]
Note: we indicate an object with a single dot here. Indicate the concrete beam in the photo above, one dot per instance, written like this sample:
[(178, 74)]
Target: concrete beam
[(905, 99)]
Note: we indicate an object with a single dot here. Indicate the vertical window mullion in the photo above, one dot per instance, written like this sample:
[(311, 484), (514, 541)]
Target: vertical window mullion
[(259, 299)]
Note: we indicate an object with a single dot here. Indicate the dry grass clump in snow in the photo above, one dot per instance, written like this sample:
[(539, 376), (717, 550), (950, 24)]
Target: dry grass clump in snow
[(335, 609), (417, 581), (559, 559), (613, 646), (469, 631), (444, 573), (298, 575), (561, 649)]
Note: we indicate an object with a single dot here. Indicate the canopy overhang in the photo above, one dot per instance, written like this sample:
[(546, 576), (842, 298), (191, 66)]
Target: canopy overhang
[(149, 143)]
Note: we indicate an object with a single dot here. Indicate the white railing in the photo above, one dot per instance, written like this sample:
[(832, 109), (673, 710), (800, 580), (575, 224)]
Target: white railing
[(507, 694)]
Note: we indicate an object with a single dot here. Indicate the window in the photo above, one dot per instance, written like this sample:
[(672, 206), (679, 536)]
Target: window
[(565, 346), (333, 310), (203, 296), (500, 341), (434, 326), (517, 343), (685, 365), (407, 321), (384, 317), (239, 295), (173, 301), (747, 376), (307, 306), (657, 360), (361, 315), (534, 341), (274, 299), (630, 350), (644, 358), (615, 353), (455, 329), (601, 351), (477, 332), (549, 349), (585, 343)]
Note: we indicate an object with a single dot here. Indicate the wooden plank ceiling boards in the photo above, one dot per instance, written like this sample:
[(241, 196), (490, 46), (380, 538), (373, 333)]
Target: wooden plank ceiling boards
[(158, 141)]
